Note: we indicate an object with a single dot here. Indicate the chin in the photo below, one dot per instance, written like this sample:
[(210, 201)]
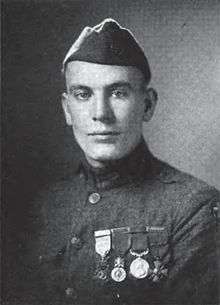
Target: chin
[(106, 153)]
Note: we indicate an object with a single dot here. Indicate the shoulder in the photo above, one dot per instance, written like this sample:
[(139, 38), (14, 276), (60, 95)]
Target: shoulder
[(169, 174), (182, 181), (184, 192)]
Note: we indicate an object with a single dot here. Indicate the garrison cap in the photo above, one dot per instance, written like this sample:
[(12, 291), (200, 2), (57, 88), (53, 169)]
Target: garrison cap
[(110, 44)]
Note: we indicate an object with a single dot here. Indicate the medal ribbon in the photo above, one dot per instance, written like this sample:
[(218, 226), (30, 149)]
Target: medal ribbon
[(139, 241), (121, 240), (102, 242)]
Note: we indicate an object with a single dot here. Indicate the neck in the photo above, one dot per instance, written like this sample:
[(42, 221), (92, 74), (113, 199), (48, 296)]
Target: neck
[(97, 163), (132, 167), (102, 164)]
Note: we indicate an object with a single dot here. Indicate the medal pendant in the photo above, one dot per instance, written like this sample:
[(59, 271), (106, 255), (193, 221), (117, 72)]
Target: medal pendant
[(101, 274), (139, 268), (118, 274), (102, 268)]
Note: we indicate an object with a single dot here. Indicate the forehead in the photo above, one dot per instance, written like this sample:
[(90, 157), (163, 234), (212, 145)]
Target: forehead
[(98, 75)]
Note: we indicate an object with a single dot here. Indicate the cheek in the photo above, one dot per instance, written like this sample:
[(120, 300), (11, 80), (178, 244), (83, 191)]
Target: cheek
[(79, 118), (132, 117)]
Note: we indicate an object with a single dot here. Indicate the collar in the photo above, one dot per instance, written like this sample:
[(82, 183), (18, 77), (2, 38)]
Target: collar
[(131, 169)]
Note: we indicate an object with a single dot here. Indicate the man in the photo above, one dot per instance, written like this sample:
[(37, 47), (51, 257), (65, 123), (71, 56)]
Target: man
[(127, 228)]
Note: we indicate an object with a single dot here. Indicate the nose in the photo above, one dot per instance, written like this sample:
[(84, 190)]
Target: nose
[(102, 110)]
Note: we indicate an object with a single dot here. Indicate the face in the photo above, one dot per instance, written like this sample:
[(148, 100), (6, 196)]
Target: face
[(105, 105)]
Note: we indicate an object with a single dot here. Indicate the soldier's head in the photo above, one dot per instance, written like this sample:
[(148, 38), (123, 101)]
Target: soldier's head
[(107, 96)]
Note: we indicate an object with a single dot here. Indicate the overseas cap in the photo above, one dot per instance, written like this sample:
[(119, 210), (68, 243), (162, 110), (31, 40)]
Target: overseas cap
[(109, 44)]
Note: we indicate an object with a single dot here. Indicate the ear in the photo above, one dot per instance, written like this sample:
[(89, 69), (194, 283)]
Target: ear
[(65, 107), (150, 104)]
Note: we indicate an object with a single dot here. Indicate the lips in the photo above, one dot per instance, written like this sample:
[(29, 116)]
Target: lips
[(104, 133), (105, 137)]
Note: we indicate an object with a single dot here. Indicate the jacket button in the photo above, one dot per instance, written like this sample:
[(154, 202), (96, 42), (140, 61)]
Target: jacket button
[(69, 291), (94, 198), (76, 242)]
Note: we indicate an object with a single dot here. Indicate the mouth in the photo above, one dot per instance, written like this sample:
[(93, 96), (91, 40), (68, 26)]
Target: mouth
[(104, 133), (105, 137)]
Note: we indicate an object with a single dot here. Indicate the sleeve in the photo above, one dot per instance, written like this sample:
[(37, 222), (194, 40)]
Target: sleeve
[(194, 270)]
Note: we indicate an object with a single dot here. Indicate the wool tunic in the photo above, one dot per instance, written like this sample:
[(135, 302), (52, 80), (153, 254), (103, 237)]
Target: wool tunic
[(169, 214)]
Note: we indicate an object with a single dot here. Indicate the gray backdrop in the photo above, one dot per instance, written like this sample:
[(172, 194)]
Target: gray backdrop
[(181, 40)]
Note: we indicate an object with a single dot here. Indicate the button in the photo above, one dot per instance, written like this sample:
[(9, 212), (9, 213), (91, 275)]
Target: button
[(40, 259), (76, 242), (94, 198), (69, 291)]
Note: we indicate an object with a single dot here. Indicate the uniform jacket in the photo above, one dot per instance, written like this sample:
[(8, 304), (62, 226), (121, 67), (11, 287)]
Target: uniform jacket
[(158, 210)]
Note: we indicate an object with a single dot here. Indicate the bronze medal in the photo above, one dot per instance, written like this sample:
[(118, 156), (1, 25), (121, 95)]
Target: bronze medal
[(139, 268), (120, 244), (118, 274)]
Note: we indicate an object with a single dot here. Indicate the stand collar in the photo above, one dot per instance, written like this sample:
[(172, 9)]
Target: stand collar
[(131, 169)]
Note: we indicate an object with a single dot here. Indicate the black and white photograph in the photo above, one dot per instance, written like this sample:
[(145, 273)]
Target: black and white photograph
[(110, 134)]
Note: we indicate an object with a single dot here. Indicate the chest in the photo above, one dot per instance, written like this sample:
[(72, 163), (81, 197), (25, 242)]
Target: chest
[(119, 238)]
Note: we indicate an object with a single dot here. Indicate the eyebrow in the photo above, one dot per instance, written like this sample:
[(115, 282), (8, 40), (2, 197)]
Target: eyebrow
[(78, 87), (108, 87), (119, 84)]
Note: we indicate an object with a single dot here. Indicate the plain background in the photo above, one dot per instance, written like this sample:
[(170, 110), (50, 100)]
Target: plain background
[(182, 42)]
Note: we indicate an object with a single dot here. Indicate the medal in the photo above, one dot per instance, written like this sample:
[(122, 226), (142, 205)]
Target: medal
[(102, 242), (102, 269), (121, 242), (102, 247), (159, 271), (139, 267), (118, 273)]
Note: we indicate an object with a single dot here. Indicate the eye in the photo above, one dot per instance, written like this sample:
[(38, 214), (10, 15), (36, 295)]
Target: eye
[(82, 95), (119, 93)]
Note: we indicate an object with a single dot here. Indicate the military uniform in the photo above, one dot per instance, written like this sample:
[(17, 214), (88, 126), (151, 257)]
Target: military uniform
[(151, 211), (134, 232)]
